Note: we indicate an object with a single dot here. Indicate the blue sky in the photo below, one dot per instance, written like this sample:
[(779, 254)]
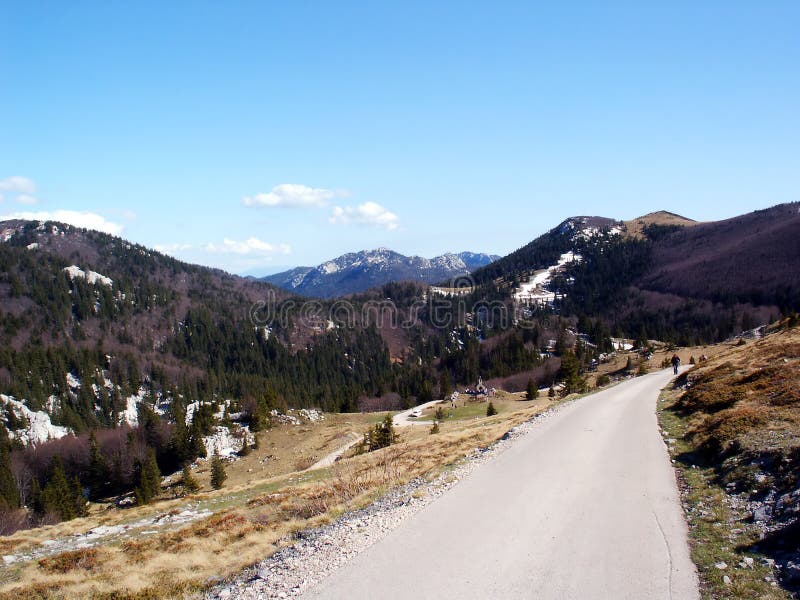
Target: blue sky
[(259, 135)]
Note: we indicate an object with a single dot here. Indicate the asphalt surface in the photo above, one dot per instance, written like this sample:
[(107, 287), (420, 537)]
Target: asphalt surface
[(404, 419), (584, 507)]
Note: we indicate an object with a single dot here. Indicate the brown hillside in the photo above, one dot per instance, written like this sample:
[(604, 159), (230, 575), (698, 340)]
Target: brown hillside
[(635, 227), (751, 258)]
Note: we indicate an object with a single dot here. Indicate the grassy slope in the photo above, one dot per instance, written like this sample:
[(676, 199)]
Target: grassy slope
[(254, 515), (736, 434)]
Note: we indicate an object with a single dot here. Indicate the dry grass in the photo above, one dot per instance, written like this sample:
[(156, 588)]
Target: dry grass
[(248, 526), (636, 227), (717, 533), (737, 430), (79, 560), (747, 400)]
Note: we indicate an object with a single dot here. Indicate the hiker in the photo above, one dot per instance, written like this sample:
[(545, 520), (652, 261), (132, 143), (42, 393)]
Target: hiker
[(676, 362)]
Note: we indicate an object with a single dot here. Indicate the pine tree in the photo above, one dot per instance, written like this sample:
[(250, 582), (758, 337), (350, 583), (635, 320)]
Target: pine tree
[(491, 410), (445, 384), (179, 442), (35, 498), (435, 428), (218, 474), (9, 494), (382, 435), (59, 497), (532, 392), (188, 482), (98, 469), (78, 498), (570, 374), (148, 480), (197, 448)]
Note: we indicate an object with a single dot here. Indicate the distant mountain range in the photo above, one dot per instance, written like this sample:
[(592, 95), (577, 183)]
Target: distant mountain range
[(359, 271)]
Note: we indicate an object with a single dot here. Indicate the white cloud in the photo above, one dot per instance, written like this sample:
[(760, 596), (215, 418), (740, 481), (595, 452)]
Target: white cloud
[(172, 248), (249, 246), (27, 200), (369, 214), (294, 195), (18, 185), (21, 188), (87, 220)]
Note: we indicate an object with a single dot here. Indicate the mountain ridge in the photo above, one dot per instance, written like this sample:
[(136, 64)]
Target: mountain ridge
[(355, 272)]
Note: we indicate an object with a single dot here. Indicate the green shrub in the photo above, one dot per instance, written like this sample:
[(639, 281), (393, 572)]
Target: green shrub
[(382, 435)]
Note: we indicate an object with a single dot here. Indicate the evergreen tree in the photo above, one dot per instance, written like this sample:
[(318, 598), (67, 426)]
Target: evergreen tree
[(78, 498), (148, 478), (197, 448), (35, 498), (382, 435), (98, 469), (9, 494), (532, 392), (218, 474), (179, 442), (491, 410), (445, 384), (570, 374), (59, 497), (188, 482)]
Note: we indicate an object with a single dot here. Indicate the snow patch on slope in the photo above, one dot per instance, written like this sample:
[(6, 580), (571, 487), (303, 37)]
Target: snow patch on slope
[(73, 383), (92, 277), (536, 291), (39, 428), (226, 442), (130, 415)]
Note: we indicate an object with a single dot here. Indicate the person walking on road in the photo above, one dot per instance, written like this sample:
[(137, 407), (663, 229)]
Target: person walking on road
[(676, 362)]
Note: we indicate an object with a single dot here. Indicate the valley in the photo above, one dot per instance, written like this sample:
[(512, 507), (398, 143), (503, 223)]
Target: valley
[(158, 378), (399, 300)]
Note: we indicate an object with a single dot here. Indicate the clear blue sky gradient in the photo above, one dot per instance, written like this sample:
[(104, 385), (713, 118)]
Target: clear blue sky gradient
[(480, 125)]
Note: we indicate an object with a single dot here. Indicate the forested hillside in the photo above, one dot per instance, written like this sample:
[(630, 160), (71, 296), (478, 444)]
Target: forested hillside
[(659, 278), (134, 352)]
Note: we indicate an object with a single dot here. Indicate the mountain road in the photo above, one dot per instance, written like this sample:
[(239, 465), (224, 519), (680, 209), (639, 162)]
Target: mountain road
[(585, 507)]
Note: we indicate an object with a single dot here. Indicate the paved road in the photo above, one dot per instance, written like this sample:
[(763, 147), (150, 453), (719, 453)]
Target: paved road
[(404, 419), (584, 507)]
